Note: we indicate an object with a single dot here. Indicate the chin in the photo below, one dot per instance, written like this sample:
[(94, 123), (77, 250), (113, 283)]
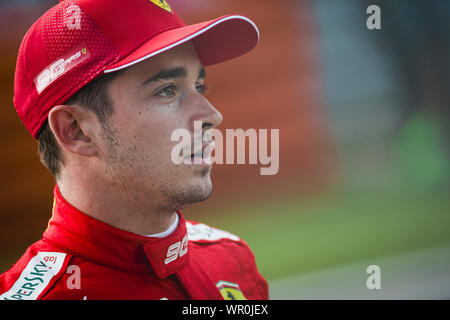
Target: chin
[(200, 191), (200, 188), (197, 190)]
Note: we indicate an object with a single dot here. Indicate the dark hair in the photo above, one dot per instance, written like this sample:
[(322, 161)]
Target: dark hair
[(93, 97)]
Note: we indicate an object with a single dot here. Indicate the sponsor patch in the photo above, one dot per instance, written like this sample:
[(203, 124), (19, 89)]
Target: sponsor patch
[(36, 276), (59, 67), (230, 290), (201, 231)]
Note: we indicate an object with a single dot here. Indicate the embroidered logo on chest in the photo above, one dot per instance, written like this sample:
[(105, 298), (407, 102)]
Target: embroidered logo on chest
[(230, 290)]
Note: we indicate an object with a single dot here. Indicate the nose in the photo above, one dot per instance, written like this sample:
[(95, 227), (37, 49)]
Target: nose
[(210, 116)]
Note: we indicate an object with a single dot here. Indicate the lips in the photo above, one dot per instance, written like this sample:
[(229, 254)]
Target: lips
[(206, 150), (203, 155)]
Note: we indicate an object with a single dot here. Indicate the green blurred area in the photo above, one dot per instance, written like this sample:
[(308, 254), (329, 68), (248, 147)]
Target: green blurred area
[(398, 204), (290, 237)]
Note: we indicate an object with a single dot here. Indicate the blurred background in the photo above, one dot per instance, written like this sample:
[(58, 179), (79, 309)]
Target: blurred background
[(364, 146)]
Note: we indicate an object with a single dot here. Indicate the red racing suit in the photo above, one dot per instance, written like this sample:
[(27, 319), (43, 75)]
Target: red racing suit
[(80, 257)]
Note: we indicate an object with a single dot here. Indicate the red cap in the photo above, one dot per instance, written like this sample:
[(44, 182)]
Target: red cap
[(78, 40)]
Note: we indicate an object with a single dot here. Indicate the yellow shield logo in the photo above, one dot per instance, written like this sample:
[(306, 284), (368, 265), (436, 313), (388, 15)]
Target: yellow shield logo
[(230, 291), (162, 4)]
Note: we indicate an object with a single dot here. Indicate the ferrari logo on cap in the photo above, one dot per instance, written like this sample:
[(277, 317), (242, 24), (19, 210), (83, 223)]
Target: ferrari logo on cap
[(162, 4)]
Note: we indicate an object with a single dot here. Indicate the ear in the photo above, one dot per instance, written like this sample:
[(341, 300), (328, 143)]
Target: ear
[(66, 123)]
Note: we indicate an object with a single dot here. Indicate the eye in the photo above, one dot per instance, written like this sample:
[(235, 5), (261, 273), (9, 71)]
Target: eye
[(202, 89), (167, 92)]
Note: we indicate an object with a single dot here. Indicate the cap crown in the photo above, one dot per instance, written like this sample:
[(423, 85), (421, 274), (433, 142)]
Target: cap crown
[(73, 43)]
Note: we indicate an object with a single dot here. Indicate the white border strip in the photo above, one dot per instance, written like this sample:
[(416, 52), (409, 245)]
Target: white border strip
[(200, 231), (185, 40), (227, 284)]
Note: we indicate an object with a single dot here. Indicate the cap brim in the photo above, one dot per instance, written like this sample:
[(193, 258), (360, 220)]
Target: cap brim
[(215, 41)]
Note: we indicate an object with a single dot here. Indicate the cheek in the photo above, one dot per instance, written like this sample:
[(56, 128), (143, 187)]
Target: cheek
[(152, 147), (146, 134)]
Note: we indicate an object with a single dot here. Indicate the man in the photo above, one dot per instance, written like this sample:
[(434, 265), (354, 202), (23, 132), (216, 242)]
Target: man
[(102, 84)]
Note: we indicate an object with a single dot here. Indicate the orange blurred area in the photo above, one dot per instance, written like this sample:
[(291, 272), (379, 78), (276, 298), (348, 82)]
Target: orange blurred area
[(276, 86)]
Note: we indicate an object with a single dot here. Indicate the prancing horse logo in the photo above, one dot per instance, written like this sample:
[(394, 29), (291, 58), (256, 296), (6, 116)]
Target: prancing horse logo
[(162, 4), (230, 290)]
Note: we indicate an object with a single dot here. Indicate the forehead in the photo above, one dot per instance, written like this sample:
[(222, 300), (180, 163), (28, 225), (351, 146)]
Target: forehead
[(184, 55)]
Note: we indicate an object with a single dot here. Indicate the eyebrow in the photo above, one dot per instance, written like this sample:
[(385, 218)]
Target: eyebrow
[(177, 72)]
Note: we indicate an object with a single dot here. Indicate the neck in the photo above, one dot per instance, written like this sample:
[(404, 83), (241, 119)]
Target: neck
[(115, 205)]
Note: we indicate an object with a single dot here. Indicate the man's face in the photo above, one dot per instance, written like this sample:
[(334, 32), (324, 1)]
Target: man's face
[(150, 100)]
